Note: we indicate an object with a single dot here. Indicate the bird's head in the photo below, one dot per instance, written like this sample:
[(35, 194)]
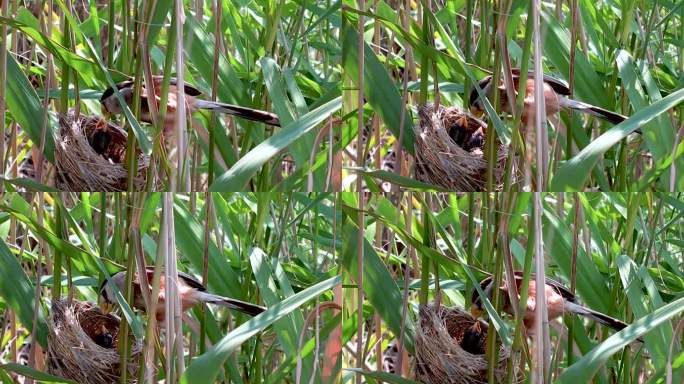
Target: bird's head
[(107, 295), (476, 309), (110, 102), (476, 105), (476, 306)]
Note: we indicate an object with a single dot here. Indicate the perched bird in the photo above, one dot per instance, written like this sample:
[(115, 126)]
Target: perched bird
[(190, 290), (110, 103), (559, 301), (555, 97)]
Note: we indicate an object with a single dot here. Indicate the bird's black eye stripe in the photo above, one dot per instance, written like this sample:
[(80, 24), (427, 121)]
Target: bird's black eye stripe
[(103, 291), (107, 93), (474, 96), (475, 297), (110, 91)]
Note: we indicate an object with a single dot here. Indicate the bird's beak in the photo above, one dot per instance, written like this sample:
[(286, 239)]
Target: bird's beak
[(106, 307), (475, 311), (476, 112)]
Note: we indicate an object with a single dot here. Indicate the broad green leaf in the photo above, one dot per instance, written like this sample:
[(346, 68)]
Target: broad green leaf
[(288, 328), (379, 89), (29, 25), (27, 371), (558, 242), (288, 364), (80, 258), (657, 339), (25, 107), (276, 90), (275, 82), (378, 285), (658, 134), (29, 184), (237, 176), (205, 368), (587, 366), (572, 175), (588, 85), (200, 47), (222, 279), (18, 292)]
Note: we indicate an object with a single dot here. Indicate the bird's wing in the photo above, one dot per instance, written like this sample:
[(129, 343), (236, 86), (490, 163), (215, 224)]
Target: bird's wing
[(559, 86), (191, 281), (560, 288), (189, 89), (110, 91)]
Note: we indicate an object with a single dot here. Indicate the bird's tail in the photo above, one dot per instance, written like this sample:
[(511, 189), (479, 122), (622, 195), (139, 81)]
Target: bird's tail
[(242, 306), (601, 113), (244, 112), (606, 320)]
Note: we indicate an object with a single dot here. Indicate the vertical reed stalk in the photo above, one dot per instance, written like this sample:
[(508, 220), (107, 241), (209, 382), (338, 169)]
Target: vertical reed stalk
[(359, 189)]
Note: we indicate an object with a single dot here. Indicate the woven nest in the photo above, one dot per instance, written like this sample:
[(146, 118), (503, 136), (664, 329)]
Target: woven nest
[(442, 162), (450, 347), (90, 155), (82, 344)]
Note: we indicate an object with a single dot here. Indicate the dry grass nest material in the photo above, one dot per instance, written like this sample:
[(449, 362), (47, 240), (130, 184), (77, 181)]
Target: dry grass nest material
[(442, 162), (74, 351), (81, 168), (440, 357)]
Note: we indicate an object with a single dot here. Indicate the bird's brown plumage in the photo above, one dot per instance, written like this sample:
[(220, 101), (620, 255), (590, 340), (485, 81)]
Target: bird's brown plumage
[(111, 104), (190, 291), (556, 94), (559, 300)]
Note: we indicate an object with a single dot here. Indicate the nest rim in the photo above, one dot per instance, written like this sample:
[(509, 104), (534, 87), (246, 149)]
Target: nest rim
[(80, 168), (72, 351), (440, 358), (442, 162)]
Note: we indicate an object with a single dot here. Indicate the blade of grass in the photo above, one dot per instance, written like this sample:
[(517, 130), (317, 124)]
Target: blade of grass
[(27, 110), (18, 293), (205, 368), (586, 367), (572, 175), (23, 370), (238, 175), (380, 91)]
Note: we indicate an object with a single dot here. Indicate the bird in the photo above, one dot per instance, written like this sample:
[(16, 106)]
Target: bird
[(558, 298), (556, 94), (191, 292), (474, 339), (110, 103), (103, 337), (467, 131), (100, 142), (464, 129)]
